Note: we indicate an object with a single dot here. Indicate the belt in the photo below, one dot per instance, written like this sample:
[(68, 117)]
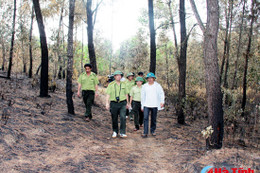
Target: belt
[(88, 90), (118, 101)]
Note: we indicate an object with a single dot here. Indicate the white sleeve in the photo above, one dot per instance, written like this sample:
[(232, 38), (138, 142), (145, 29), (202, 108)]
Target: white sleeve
[(143, 97), (161, 94)]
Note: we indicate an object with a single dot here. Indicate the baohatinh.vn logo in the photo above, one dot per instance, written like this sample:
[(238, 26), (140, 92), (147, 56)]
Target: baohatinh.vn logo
[(211, 169)]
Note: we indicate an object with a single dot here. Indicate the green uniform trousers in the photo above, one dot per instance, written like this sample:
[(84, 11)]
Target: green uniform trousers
[(88, 98), (138, 114), (118, 108)]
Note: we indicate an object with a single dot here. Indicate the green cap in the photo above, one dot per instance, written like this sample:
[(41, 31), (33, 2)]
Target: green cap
[(118, 72), (139, 79), (129, 74)]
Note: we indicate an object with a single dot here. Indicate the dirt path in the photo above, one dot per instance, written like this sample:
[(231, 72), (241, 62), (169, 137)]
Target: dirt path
[(41, 137)]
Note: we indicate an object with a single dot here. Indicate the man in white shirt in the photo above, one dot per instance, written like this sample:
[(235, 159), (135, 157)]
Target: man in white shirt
[(152, 100)]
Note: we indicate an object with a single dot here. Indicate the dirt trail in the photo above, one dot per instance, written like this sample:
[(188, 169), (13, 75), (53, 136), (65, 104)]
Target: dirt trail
[(41, 137)]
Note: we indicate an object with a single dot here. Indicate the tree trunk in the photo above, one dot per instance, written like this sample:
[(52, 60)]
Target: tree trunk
[(195, 11), (38, 69), (228, 45), (227, 12), (182, 65), (214, 95), (44, 51), (212, 76), (12, 44), (30, 45), (24, 60), (167, 66), (91, 48), (234, 83), (4, 54), (58, 42), (243, 105), (174, 32), (64, 59), (82, 50), (152, 38), (69, 92)]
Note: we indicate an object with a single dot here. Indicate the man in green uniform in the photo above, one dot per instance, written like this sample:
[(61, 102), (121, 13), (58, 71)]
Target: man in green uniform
[(130, 82), (141, 74), (135, 101), (117, 102), (88, 83)]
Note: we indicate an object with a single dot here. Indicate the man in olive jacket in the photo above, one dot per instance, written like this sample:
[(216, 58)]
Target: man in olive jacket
[(88, 83)]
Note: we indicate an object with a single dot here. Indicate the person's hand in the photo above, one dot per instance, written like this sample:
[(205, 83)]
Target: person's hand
[(96, 94), (107, 106), (78, 94), (162, 105), (142, 110)]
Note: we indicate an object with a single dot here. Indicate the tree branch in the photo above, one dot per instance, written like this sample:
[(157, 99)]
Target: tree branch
[(195, 11), (97, 7)]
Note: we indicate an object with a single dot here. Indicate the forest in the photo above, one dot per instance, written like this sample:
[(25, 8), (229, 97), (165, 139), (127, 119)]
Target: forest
[(205, 54)]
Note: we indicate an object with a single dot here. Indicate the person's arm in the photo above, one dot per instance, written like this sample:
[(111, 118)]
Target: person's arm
[(131, 100), (131, 93), (79, 88), (127, 101), (142, 98), (162, 96), (96, 88), (107, 102), (79, 85)]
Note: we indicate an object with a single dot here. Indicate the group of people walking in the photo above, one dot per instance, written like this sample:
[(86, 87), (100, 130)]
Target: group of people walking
[(134, 97)]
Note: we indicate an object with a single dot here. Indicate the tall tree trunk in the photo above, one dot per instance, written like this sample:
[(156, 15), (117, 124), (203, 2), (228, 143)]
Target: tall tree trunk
[(44, 51), (38, 69), (64, 59), (212, 75), (24, 60), (228, 45), (234, 83), (214, 95), (4, 54), (182, 65), (243, 105), (152, 37), (30, 44), (58, 41), (195, 11), (69, 92), (167, 66), (82, 49), (173, 28), (227, 13), (90, 28), (12, 44)]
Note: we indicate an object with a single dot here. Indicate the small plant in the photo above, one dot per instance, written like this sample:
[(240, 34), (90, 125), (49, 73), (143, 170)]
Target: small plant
[(207, 132)]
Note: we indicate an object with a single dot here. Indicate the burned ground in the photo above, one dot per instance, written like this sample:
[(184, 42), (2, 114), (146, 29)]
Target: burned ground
[(37, 135)]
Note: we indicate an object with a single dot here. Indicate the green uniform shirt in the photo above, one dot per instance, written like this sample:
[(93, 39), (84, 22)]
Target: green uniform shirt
[(88, 82), (129, 84), (136, 93), (114, 90)]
